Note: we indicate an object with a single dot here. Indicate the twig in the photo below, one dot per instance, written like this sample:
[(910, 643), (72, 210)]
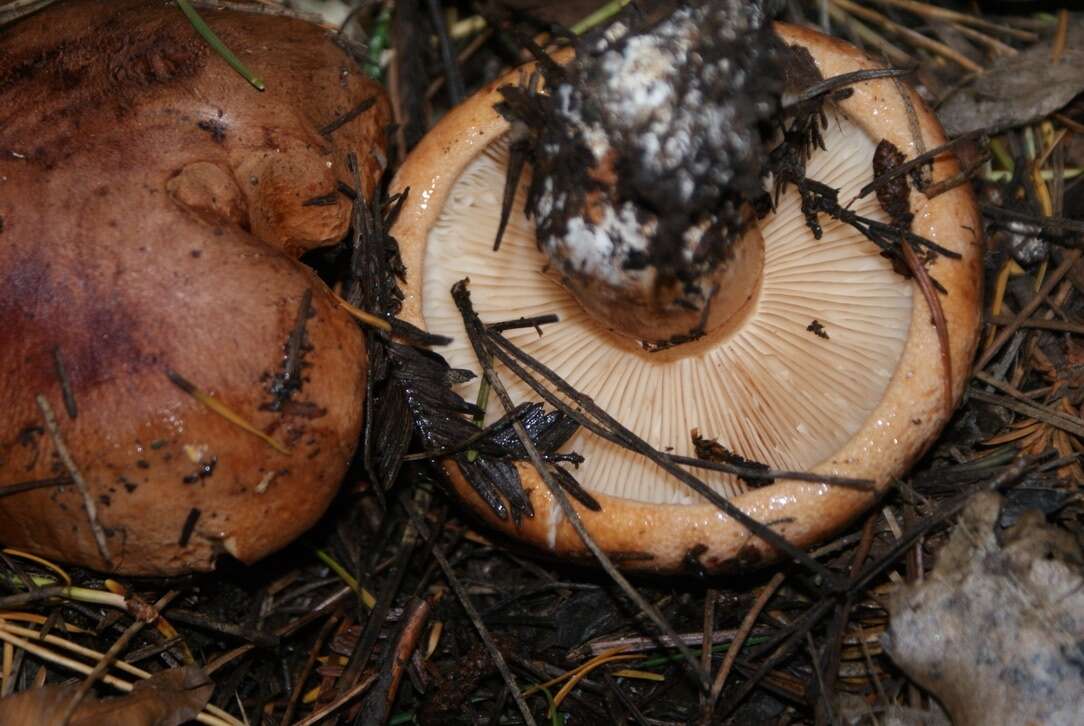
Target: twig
[(472, 613), (306, 669), (73, 471), (1071, 424), (211, 715), (937, 313), (476, 333), (923, 158), (338, 702), (912, 36), (1057, 50), (732, 653), (456, 91), (1062, 326), (25, 486), (867, 35), (940, 13), (1031, 306), (378, 703), (110, 656), (349, 116)]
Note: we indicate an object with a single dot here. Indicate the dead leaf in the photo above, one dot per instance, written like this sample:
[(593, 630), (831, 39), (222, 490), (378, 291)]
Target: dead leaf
[(994, 632), (1020, 89), (169, 698)]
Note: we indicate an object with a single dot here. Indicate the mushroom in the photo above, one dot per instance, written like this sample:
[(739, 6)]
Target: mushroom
[(175, 380), (817, 357)]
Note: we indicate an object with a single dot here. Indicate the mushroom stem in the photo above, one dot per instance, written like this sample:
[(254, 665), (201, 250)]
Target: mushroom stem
[(660, 309), (648, 153)]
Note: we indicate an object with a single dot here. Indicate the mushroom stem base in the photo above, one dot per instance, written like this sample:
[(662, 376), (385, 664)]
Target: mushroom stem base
[(662, 314)]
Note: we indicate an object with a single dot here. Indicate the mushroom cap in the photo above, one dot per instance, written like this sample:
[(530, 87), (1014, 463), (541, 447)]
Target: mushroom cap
[(152, 208), (878, 419)]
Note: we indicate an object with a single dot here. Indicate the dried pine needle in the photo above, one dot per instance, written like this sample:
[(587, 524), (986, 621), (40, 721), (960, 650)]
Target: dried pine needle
[(222, 410), (638, 674), (373, 321)]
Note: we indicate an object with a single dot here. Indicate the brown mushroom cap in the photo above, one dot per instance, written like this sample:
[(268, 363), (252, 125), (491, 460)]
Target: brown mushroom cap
[(152, 207), (864, 403)]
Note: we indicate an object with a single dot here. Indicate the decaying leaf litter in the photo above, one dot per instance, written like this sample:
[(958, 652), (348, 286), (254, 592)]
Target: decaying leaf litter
[(397, 609)]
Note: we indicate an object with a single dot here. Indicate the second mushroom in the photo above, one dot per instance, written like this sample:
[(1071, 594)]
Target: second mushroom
[(690, 296)]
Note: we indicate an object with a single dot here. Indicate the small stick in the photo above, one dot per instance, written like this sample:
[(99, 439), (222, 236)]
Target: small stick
[(912, 36), (110, 657), (992, 43), (1032, 305), (939, 13), (1060, 36), (348, 116), (80, 482), (25, 486), (933, 302), (732, 653), (306, 669), (923, 158), (868, 35), (1058, 325), (338, 702), (472, 613), (379, 702), (1065, 422)]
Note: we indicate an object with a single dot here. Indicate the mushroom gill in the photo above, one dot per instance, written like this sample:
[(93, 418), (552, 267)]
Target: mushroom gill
[(787, 385)]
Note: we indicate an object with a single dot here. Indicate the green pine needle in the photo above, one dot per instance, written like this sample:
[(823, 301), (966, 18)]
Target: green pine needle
[(215, 42)]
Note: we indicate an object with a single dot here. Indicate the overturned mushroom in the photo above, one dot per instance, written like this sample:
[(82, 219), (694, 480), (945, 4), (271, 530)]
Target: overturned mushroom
[(680, 309), (175, 384)]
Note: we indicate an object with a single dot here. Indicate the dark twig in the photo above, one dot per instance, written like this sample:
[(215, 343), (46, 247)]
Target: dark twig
[(1031, 306), (111, 655), (377, 706), (256, 637), (348, 116), (613, 431), (303, 674), (908, 166), (472, 613), (25, 486), (835, 83), (1056, 226), (937, 314), (456, 92), (476, 333)]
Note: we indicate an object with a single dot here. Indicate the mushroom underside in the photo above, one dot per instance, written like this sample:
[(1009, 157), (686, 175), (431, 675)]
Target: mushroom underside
[(788, 386)]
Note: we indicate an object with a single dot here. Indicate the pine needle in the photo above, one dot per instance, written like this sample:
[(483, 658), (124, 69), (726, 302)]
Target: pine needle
[(216, 43), (222, 410)]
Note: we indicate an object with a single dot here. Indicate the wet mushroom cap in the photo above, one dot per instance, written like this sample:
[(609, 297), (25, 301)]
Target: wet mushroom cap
[(152, 209), (834, 367)]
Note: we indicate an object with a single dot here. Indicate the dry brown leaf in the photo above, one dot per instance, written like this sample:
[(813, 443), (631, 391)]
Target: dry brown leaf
[(995, 630), (169, 698), (1019, 89)]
